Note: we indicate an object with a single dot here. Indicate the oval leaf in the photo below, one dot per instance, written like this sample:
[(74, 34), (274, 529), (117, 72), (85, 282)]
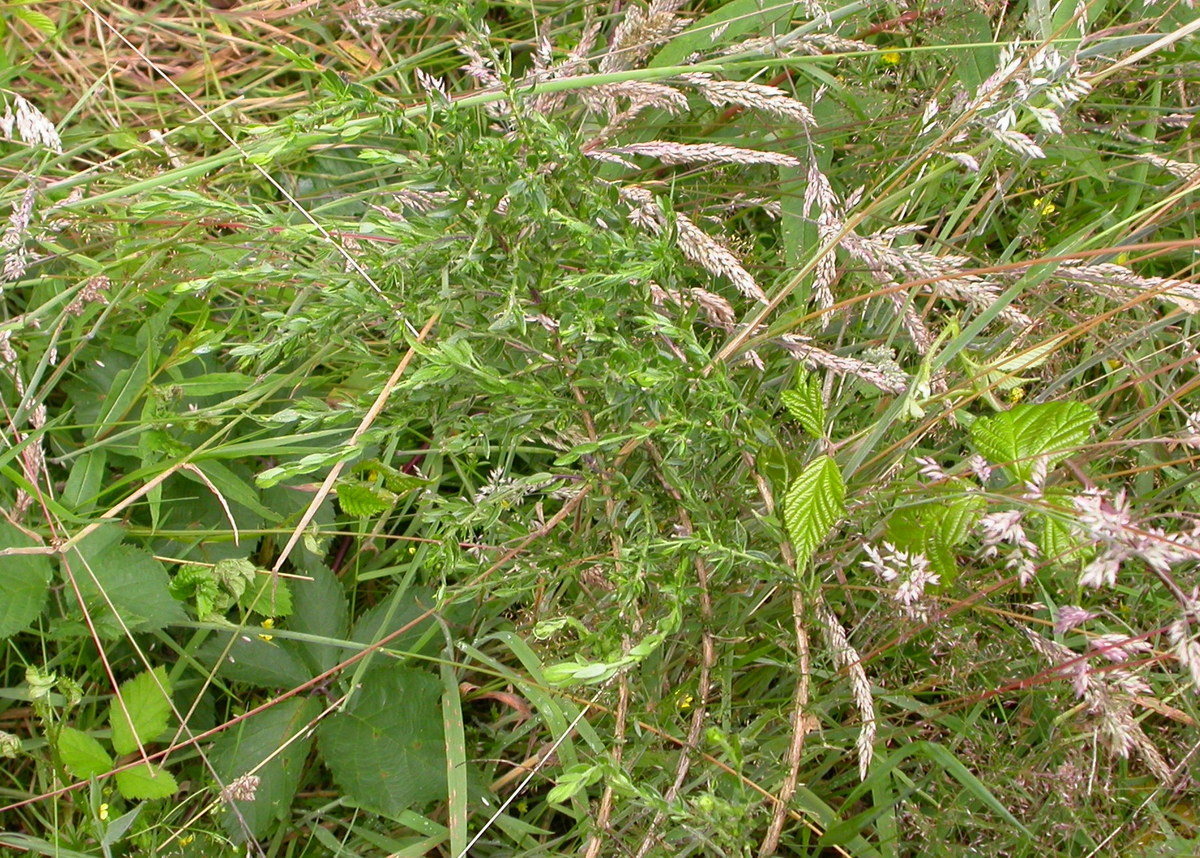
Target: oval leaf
[(146, 781), (147, 705), (813, 504)]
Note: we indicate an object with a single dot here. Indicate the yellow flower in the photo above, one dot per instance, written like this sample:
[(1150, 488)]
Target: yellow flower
[(892, 58), (103, 812), (268, 623), (1044, 207)]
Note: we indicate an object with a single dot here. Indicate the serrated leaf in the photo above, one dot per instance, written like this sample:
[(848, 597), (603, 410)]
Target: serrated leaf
[(24, 582), (321, 610), (198, 584), (268, 596), (955, 517), (1017, 438), (805, 404), (83, 756), (113, 576), (267, 664), (240, 750), (393, 480), (147, 705), (40, 21), (387, 751), (145, 782), (1060, 544), (360, 501), (940, 555), (813, 504), (235, 575)]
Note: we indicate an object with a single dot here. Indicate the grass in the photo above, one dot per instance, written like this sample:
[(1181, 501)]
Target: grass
[(556, 429)]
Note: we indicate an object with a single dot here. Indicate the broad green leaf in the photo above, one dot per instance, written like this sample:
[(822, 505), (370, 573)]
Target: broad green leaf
[(399, 612), (24, 582), (267, 664), (805, 404), (956, 516), (147, 706), (269, 596), (813, 504), (387, 750), (1019, 437), (320, 609), (146, 781), (240, 750), (111, 576), (83, 756)]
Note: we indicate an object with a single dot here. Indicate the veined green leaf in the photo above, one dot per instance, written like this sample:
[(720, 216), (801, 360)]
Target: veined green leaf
[(805, 404), (146, 781), (24, 581), (146, 706), (1031, 431), (83, 756), (813, 504), (387, 750)]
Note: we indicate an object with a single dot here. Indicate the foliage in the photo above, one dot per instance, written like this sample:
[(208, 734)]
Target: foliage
[(707, 429)]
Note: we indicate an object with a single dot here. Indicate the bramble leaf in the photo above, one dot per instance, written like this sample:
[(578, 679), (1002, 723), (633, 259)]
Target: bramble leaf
[(147, 705), (387, 749), (813, 504), (1019, 437), (241, 750), (146, 781), (805, 404), (360, 501), (81, 754), (24, 581), (123, 587)]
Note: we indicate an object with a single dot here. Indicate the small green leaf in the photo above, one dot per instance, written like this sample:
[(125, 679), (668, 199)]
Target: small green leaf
[(805, 404), (40, 21), (147, 705), (813, 504), (235, 575), (360, 500), (394, 480), (83, 756), (145, 782)]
